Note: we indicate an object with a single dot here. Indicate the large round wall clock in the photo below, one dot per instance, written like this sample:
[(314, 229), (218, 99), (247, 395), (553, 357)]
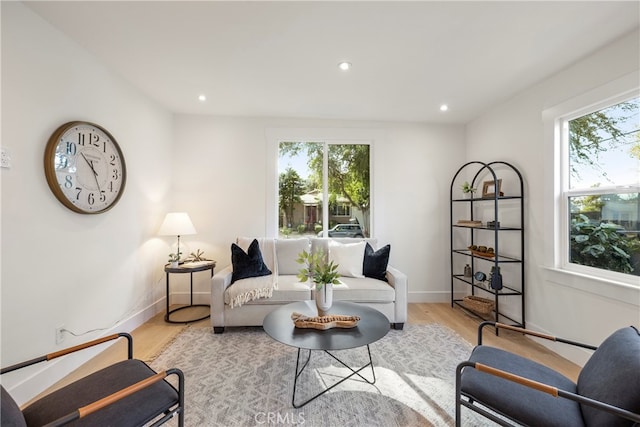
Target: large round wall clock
[(85, 167)]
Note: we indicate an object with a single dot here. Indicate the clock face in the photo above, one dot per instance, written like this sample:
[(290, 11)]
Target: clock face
[(84, 167)]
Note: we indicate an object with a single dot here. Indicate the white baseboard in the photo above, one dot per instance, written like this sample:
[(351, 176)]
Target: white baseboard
[(47, 374)]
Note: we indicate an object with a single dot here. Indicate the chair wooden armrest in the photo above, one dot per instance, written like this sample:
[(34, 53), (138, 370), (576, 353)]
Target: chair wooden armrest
[(529, 332), (73, 349), (548, 389)]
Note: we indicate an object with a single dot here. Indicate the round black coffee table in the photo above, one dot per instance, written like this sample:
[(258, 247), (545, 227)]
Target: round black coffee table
[(372, 326)]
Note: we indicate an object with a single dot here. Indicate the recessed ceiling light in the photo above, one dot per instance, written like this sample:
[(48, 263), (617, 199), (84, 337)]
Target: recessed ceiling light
[(344, 66), (444, 107), (202, 98)]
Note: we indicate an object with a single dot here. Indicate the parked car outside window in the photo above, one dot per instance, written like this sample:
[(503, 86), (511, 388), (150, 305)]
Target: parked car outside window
[(345, 230)]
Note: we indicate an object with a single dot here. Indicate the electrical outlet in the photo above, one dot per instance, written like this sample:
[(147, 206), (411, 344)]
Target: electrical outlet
[(60, 334)]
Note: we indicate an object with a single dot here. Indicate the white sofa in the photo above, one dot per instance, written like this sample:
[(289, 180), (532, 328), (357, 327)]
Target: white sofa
[(279, 255)]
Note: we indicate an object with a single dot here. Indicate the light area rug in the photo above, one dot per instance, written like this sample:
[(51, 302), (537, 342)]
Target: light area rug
[(244, 378)]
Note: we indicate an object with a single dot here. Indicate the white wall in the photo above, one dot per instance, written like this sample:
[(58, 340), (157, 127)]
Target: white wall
[(514, 131), (58, 267), (222, 163)]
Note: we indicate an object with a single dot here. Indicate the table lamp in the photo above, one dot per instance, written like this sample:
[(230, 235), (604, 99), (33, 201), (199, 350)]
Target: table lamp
[(177, 224)]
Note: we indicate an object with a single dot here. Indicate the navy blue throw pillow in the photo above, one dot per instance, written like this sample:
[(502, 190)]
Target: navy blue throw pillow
[(249, 264), (375, 262)]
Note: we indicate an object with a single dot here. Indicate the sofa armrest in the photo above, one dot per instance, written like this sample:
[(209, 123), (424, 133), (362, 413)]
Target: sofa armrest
[(398, 280), (219, 283)]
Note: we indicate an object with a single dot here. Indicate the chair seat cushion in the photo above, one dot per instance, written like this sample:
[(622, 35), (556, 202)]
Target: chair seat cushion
[(518, 402), (134, 410)]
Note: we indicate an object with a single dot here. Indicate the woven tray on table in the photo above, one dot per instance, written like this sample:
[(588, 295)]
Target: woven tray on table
[(324, 322), (478, 304)]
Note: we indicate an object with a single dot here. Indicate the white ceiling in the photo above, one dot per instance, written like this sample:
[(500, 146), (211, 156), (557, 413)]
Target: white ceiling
[(279, 59)]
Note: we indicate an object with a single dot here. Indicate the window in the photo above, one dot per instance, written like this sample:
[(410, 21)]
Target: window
[(600, 182), (340, 209), (322, 185)]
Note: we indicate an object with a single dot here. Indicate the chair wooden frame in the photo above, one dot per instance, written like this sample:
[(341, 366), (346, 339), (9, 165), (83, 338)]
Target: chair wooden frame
[(86, 410), (464, 400)]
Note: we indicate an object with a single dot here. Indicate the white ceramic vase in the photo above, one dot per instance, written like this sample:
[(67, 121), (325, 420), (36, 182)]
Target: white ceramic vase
[(324, 298)]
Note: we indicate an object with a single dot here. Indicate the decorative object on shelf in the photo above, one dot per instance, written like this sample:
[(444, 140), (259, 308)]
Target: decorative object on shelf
[(483, 251), (85, 167), (323, 273), (324, 322), (196, 256), (467, 188), (467, 270), (480, 276), (469, 223), (490, 188), (177, 224), (493, 224), (495, 278), (478, 304)]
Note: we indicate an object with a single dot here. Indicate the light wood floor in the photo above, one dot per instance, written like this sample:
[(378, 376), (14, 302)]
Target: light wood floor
[(150, 338)]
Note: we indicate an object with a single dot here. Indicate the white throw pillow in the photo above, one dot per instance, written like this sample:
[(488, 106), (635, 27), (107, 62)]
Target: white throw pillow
[(349, 257), (287, 251)]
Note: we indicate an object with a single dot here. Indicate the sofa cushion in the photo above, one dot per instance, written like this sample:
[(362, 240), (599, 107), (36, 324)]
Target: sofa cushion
[(349, 258), (363, 290), (287, 251), (247, 264), (289, 289), (375, 262), (323, 242), (267, 247)]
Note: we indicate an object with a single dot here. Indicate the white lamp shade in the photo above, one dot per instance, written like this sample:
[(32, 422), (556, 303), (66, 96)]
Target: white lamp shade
[(177, 224)]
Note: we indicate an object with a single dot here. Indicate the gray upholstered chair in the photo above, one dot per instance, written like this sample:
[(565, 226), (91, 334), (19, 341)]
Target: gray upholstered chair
[(517, 389), (128, 393)]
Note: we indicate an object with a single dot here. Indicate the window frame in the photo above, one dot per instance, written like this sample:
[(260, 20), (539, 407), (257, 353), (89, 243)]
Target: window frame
[(567, 192), (328, 136), (611, 284)]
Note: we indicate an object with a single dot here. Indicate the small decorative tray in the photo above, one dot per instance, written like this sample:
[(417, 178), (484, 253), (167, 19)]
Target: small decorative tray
[(484, 254), (324, 322), (469, 223)]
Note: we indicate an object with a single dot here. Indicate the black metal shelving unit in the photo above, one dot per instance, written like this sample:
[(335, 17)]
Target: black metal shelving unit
[(513, 283)]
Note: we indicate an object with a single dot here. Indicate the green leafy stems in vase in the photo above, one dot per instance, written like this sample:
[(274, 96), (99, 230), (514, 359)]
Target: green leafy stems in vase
[(467, 188), (317, 269)]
